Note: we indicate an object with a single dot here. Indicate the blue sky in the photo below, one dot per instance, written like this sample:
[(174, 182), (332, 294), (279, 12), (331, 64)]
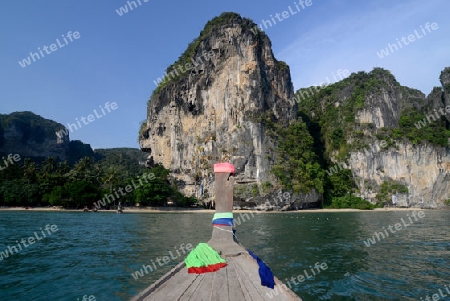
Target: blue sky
[(117, 58)]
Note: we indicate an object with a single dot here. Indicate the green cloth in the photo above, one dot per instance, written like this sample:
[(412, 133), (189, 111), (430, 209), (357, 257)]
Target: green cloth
[(203, 255), (223, 215)]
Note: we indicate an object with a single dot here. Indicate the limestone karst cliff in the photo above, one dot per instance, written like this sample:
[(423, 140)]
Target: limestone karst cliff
[(33, 136), (423, 167), (209, 113), (228, 99), (445, 82), (365, 109)]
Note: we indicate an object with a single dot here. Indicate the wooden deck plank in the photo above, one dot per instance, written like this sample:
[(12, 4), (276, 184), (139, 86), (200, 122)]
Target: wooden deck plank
[(220, 285), (174, 287), (243, 274), (188, 293), (235, 289), (250, 268), (244, 289), (290, 295), (152, 288), (239, 281), (203, 292)]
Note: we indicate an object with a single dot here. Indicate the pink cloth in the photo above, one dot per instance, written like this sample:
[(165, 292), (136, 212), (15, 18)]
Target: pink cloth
[(224, 167)]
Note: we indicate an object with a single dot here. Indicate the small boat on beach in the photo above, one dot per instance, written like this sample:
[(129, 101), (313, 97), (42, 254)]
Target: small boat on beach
[(119, 209)]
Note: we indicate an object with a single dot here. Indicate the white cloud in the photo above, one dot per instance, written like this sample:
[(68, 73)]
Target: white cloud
[(350, 38)]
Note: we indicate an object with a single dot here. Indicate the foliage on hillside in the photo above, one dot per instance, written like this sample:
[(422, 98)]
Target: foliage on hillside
[(415, 128), (128, 162), (58, 184), (389, 188), (82, 180), (336, 118), (295, 165), (330, 116), (350, 201), (79, 150)]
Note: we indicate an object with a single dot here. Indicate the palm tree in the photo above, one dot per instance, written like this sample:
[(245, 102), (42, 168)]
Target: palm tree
[(111, 178), (63, 168), (45, 175), (96, 175), (49, 165), (29, 170), (82, 167)]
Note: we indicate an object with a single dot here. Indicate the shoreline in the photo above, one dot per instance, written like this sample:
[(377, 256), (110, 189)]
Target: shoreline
[(185, 210)]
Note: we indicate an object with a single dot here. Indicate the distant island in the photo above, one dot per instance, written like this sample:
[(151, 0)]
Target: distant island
[(49, 170)]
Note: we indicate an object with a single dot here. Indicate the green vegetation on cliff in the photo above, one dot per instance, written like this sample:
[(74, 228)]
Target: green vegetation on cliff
[(334, 110), (331, 112), (350, 201), (415, 128), (389, 188), (296, 165)]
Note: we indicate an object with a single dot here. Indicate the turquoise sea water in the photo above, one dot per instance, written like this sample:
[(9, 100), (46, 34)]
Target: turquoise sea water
[(96, 253)]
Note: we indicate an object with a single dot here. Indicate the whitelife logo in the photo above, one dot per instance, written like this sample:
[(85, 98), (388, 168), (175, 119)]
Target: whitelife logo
[(423, 123), (10, 158), (411, 38), (108, 198), (35, 56), (397, 226), (90, 118), (165, 260), (124, 9), (281, 17), (31, 240), (278, 289)]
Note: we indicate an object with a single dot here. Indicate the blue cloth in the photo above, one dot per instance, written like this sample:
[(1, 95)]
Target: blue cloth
[(264, 272), (223, 221)]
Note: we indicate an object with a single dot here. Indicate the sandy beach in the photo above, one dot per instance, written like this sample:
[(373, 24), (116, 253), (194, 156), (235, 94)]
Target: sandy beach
[(187, 210)]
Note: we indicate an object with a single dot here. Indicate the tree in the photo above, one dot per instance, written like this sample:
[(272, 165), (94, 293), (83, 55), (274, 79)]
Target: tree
[(157, 190), (111, 178), (154, 193), (29, 170), (55, 196), (83, 167), (82, 193), (296, 165)]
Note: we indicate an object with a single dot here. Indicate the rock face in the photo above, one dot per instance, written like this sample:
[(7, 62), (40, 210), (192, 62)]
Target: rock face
[(445, 81), (394, 140), (383, 109), (211, 112), (214, 102), (423, 168), (31, 135)]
